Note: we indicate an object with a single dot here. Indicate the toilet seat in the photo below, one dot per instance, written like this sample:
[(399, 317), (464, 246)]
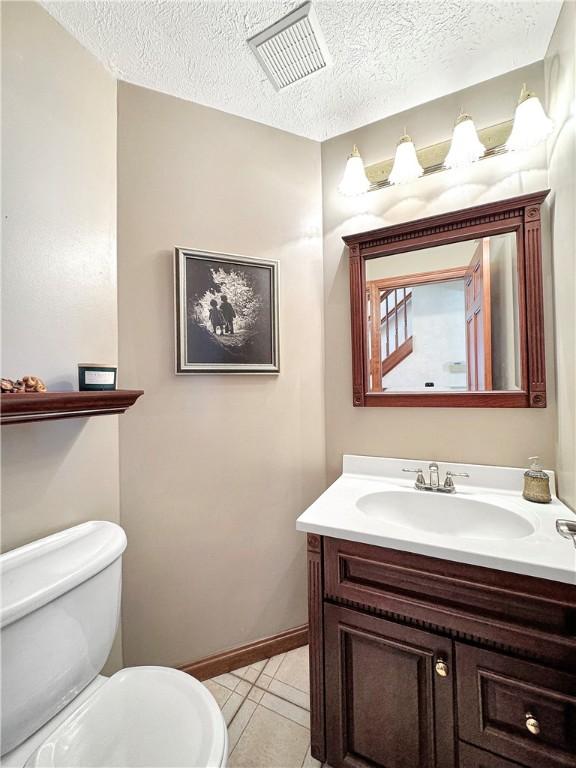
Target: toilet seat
[(142, 717)]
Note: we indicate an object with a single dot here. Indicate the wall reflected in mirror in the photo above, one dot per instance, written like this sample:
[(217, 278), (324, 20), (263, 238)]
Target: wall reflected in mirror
[(445, 319)]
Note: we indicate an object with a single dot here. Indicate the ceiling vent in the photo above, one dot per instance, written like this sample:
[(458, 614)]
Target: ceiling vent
[(292, 48)]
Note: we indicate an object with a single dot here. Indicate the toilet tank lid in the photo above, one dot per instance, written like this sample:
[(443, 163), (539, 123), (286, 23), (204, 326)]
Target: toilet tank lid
[(41, 571)]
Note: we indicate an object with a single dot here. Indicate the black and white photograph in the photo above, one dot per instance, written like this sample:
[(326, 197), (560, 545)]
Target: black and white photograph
[(226, 313)]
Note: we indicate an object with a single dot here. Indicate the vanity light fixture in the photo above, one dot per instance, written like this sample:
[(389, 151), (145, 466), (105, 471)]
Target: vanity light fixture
[(531, 124), (406, 164), (354, 181), (466, 147)]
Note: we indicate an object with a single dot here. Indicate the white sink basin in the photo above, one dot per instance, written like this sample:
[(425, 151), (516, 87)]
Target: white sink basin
[(446, 515), (486, 522)]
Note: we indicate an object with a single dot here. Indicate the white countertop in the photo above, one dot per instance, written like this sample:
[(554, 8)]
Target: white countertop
[(544, 553)]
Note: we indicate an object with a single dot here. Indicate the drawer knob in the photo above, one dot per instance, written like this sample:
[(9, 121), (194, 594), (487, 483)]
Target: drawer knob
[(441, 668), (532, 724)]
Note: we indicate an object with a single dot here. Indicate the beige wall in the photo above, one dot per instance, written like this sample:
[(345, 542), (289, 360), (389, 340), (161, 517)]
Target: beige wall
[(59, 270), (423, 260), (490, 436), (215, 469), (560, 66)]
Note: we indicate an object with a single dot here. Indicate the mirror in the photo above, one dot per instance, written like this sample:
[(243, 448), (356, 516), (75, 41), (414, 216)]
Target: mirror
[(447, 311), (445, 318)]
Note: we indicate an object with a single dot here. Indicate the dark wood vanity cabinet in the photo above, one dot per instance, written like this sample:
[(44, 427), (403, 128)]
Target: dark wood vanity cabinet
[(418, 662), (515, 708), (387, 706)]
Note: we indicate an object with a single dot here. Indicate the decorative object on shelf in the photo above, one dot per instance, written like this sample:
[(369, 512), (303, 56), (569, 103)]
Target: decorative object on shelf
[(45, 406), (354, 181), (466, 147), (226, 313), (536, 483), (530, 127), (93, 377), (406, 164), (34, 384), (531, 124), (27, 384)]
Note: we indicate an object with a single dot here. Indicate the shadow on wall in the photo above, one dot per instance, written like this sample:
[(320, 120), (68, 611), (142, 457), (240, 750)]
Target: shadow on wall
[(365, 212), (32, 457)]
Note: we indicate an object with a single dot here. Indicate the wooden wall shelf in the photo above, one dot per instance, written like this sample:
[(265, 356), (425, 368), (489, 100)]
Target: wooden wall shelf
[(43, 406)]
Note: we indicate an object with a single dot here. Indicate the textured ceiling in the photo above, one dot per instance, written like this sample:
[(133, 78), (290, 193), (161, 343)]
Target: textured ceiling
[(388, 55)]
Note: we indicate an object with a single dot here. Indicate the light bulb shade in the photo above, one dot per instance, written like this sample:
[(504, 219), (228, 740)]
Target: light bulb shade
[(466, 147), (531, 125), (354, 181), (406, 165)]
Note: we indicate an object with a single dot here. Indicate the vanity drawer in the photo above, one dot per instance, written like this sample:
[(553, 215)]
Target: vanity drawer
[(517, 709), (516, 612), (471, 757)]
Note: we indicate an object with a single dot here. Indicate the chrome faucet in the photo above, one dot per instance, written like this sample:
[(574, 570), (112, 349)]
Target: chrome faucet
[(434, 483)]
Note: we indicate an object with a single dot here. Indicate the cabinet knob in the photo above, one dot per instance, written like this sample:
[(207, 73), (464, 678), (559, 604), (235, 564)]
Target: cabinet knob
[(532, 724), (441, 668)]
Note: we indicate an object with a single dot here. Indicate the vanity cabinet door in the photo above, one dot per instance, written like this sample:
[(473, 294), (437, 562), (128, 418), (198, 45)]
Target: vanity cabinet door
[(515, 708), (470, 757), (389, 694)]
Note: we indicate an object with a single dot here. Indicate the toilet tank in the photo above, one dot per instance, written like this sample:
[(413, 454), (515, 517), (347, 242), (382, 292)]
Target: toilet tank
[(59, 612)]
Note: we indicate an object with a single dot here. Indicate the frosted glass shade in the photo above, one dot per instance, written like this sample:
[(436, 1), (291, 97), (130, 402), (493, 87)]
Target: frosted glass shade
[(466, 147), (406, 165), (531, 125), (354, 181)]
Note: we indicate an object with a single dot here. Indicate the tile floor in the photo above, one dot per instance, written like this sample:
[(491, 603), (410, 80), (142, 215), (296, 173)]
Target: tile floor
[(267, 708)]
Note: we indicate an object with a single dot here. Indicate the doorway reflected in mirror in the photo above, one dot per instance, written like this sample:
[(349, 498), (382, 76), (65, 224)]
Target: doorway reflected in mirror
[(445, 318)]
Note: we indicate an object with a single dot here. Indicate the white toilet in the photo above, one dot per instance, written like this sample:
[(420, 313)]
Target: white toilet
[(59, 613)]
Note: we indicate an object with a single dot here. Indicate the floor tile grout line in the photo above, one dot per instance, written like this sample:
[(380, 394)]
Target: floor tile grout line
[(283, 698), (243, 729), (306, 755), (279, 714), (260, 673), (279, 695), (249, 681), (260, 704), (224, 688), (282, 655), (288, 685), (267, 690), (244, 700)]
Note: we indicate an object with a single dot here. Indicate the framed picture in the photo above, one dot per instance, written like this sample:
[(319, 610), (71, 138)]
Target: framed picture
[(226, 313)]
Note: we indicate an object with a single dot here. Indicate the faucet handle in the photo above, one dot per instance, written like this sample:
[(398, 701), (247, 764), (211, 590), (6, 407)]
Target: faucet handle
[(419, 476), (449, 483)]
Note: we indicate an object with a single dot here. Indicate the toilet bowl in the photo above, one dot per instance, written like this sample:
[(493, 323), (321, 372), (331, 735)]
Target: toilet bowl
[(143, 716), (58, 617)]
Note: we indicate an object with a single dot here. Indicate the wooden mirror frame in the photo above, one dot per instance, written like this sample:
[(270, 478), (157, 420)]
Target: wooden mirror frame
[(518, 214)]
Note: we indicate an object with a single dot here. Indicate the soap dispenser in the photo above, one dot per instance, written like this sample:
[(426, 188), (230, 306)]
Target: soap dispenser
[(536, 483)]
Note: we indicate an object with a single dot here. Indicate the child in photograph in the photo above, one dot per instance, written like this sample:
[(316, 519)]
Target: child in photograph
[(229, 314), (216, 318)]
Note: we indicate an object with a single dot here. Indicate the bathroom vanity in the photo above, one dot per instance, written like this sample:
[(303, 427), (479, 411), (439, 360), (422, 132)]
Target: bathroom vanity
[(437, 639)]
